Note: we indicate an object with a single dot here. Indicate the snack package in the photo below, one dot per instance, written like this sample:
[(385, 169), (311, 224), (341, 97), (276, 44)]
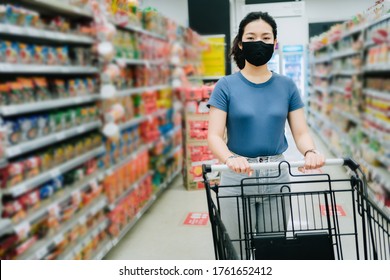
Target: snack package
[(41, 53), (29, 127), (51, 56), (27, 91), (14, 174), (41, 89), (32, 167), (60, 89), (62, 55), (5, 90), (11, 52), (14, 132), (26, 53), (43, 125)]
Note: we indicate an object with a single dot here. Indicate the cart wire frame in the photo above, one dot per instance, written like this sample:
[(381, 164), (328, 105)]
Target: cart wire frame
[(369, 231)]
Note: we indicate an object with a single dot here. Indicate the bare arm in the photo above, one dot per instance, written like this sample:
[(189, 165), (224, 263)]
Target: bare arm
[(303, 139), (217, 125)]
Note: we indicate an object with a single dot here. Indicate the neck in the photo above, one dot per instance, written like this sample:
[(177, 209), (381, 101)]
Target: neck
[(255, 74)]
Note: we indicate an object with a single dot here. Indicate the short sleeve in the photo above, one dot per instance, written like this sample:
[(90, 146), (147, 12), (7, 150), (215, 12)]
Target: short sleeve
[(295, 98), (220, 96)]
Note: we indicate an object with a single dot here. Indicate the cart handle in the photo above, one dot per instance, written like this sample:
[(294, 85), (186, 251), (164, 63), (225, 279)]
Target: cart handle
[(207, 168)]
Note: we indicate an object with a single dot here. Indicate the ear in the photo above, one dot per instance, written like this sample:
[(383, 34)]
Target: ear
[(275, 43), (240, 45)]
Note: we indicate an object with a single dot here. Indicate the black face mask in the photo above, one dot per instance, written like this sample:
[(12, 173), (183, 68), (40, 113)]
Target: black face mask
[(257, 53)]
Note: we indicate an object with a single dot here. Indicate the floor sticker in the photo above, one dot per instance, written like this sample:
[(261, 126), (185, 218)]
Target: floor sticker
[(196, 219), (339, 211)]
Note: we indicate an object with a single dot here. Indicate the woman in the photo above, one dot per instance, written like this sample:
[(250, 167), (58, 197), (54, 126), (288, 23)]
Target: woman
[(254, 105)]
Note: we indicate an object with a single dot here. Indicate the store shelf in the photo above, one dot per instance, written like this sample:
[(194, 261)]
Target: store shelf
[(347, 72), (140, 30), (5, 226), (348, 116), (338, 89), (59, 7), (12, 110), (56, 200), (321, 89), (13, 30), (42, 247), (369, 44), (322, 76), (211, 78), (112, 169), (382, 18), (3, 162), (146, 207), (46, 69), (377, 94), (32, 183), (128, 191), (354, 30), (84, 241), (103, 249), (381, 175), (377, 121), (31, 145), (130, 61), (132, 91), (137, 120), (378, 136), (344, 53), (322, 59), (377, 68)]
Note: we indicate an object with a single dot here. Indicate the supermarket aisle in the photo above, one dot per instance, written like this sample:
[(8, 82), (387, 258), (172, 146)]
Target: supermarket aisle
[(161, 234)]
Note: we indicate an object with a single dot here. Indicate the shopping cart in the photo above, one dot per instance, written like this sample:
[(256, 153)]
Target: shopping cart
[(334, 219)]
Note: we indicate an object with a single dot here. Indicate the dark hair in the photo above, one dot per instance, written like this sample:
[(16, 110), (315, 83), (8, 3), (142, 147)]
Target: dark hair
[(236, 52)]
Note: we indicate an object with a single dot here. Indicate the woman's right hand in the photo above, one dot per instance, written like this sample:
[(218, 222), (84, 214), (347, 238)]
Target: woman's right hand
[(239, 165)]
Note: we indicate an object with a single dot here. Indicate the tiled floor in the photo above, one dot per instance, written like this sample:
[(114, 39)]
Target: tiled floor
[(161, 233)]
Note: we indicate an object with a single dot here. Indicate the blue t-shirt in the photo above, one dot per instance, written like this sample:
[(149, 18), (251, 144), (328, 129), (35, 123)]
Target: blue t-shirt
[(256, 113)]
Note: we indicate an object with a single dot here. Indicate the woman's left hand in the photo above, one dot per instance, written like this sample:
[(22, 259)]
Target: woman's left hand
[(313, 162)]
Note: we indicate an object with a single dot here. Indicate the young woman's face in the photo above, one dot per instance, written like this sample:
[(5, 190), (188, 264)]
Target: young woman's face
[(258, 30)]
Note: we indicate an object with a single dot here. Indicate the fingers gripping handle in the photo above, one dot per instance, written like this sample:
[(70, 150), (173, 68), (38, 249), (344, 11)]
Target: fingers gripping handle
[(270, 165)]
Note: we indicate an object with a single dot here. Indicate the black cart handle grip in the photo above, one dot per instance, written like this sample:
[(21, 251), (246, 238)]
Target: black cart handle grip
[(271, 165)]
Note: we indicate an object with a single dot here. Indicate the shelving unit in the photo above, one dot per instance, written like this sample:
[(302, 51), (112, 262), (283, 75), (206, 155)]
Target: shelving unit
[(344, 110), (29, 245)]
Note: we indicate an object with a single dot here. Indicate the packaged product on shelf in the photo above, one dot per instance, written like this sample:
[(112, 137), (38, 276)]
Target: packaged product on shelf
[(32, 167), (41, 89), (26, 53)]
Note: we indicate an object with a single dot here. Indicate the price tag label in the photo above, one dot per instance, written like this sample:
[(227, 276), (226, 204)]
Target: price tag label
[(22, 229), (41, 253), (8, 110), (20, 189), (115, 241), (58, 239), (60, 136), (81, 129), (54, 210), (82, 220), (55, 173), (14, 151)]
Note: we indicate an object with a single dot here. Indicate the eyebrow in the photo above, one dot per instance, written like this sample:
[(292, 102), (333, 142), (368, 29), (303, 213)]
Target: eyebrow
[(252, 33)]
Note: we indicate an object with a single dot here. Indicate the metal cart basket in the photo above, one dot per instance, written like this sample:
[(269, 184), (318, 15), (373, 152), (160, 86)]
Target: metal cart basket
[(310, 216)]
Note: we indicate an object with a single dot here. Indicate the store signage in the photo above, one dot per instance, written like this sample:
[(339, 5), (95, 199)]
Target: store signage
[(197, 219), (339, 211), (292, 48)]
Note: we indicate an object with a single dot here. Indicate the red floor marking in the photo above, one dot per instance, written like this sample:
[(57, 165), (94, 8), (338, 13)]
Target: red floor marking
[(339, 211), (196, 219)]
